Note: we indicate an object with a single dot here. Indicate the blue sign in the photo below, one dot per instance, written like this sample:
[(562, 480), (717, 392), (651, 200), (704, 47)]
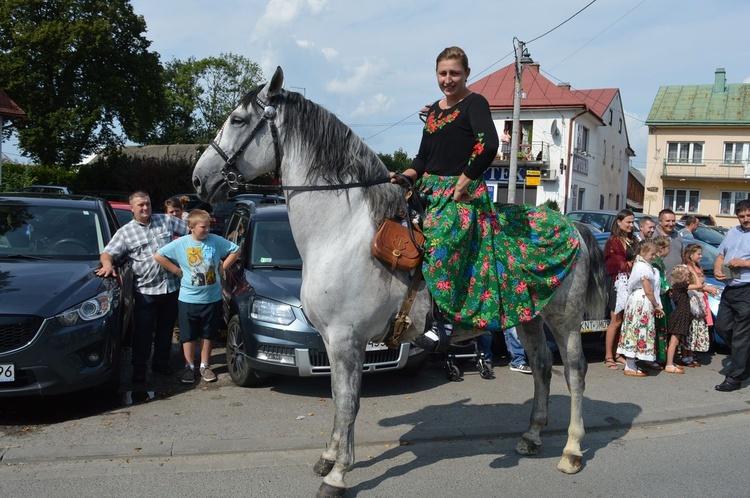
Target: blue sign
[(500, 174)]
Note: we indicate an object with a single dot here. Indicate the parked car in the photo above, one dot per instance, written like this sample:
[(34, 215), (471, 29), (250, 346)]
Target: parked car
[(600, 323), (222, 210), (706, 219), (267, 331), (704, 234), (122, 211), (601, 220), (46, 189), (61, 326)]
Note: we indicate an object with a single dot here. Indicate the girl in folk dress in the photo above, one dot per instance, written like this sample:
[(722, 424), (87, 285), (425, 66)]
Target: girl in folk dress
[(679, 319), (698, 338), (638, 327), (660, 347)]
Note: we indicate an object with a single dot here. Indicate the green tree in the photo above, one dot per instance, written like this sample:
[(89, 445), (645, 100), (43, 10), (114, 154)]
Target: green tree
[(201, 94), (82, 71), (398, 162)]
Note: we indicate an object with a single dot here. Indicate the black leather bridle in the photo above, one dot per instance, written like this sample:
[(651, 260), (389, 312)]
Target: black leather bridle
[(235, 179), (232, 176)]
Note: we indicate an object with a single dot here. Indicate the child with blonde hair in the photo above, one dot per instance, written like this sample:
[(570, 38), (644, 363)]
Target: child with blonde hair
[(678, 325)]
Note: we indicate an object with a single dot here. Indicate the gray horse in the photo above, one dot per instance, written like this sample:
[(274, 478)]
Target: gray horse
[(337, 194)]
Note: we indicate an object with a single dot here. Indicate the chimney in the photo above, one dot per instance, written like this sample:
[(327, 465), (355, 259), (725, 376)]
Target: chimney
[(720, 80), (564, 85)]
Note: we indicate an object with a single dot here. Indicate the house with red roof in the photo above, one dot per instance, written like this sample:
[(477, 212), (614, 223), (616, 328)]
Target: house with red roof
[(8, 110), (576, 139)]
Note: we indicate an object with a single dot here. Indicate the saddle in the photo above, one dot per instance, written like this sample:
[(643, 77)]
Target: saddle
[(400, 244)]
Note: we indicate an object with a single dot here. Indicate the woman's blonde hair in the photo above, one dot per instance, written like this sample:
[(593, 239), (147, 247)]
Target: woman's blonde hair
[(453, 53), (647, 245), (662, 241)]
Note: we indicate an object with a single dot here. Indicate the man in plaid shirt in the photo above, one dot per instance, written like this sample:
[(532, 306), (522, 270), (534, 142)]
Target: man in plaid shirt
[(155, 288)]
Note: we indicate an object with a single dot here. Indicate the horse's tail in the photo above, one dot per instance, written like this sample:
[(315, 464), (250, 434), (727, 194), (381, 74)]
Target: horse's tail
[(596, 288)]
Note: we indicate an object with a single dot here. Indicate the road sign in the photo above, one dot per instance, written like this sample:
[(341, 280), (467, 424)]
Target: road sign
[(533, 178)]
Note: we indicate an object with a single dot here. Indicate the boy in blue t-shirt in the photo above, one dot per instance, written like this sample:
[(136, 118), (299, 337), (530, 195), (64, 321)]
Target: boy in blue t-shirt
[(196, 259)]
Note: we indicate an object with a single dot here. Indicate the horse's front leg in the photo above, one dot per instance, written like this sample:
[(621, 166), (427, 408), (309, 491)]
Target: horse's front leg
[(575, 375), (347, 360), (539, 357)]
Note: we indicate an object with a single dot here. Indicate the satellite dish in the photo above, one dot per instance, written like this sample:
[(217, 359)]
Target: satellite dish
[(554, 130)]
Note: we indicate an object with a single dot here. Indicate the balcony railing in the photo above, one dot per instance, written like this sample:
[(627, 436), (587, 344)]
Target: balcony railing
[(536, 152), (713, 169)]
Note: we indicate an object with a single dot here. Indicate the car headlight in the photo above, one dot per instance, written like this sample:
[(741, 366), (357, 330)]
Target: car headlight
[(91, 309), (271, 311)]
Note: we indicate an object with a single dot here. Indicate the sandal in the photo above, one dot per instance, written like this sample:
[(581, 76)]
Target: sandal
[(620, 359), (674, 369), (653, 366), (635, 373), (690, 364), (611, 364)]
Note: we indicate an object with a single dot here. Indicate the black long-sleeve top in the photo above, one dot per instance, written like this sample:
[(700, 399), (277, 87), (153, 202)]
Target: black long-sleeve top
[(460, 139)]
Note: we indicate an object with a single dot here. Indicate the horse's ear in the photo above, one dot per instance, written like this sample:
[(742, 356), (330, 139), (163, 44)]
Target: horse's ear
[(274, 86)]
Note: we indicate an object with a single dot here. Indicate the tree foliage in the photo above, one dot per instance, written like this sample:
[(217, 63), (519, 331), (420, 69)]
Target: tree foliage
[(201, 94), (397, 162), (82, 72)]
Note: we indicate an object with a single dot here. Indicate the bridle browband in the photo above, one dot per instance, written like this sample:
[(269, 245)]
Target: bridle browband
[(236, 180)]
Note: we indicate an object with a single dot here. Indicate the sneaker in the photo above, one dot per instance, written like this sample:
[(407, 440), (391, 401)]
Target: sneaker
[(521, 368), (433, 340), (208, 374), (188, 376)]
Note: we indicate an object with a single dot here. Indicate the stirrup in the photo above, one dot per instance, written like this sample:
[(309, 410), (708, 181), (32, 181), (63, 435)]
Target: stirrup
[(431, 345)]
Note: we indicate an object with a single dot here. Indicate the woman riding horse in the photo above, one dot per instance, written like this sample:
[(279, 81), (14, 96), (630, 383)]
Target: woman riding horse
[(473, 251)]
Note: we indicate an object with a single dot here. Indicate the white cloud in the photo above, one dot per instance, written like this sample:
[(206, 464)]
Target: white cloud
[(277, 14), (362, 77), (377, 104), (305, 43), (317, 6), (330, 53)]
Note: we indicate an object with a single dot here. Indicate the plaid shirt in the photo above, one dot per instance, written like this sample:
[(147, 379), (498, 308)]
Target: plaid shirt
[(138, 243)]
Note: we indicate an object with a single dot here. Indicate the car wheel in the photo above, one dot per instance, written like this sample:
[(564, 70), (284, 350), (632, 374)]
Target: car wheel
[(239, 368)]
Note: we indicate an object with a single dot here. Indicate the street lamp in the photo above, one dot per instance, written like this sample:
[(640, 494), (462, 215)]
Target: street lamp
[(522, 59)]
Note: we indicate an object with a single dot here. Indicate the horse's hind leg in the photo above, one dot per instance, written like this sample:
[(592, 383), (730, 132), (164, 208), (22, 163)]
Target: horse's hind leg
[(568, 339), (347, 360), (539, 357)]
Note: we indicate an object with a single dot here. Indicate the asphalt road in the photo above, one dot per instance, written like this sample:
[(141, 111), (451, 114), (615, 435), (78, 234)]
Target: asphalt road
[(419, 434)]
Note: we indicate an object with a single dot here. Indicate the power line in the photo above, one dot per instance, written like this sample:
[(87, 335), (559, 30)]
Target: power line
[(566, 20)]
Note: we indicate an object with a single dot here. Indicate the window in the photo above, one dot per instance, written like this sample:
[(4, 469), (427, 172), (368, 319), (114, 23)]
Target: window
[(617, 202), (620, 128), (682, 201), (601, 202), (729, 200), (604, 156), (581, 192), (582, 142), (736, 152), (685, 152), (610, 117)]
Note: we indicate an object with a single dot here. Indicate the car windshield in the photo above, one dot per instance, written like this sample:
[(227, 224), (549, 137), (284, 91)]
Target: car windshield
[(273, 245), (42, 231)]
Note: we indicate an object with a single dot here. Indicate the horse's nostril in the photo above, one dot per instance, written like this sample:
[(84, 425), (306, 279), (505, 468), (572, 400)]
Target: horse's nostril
[(196, 183)]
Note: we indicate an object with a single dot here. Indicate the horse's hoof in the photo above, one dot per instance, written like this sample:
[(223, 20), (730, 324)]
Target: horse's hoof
[(323, 467), (527, 447), (328, 491), (570, 464)]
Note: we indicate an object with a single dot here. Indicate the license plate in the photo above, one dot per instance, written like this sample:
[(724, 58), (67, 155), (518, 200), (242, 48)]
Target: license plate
[(594, 325), (376, 346), (7, 372)]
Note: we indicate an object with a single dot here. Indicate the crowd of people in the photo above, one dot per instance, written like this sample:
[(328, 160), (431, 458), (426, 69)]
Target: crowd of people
[(660, 317), (176, 265)]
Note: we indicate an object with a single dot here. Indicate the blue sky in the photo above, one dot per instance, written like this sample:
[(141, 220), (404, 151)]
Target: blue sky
[(372, 63)]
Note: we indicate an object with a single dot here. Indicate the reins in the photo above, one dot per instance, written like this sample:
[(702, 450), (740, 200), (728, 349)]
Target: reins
[(235, 180)]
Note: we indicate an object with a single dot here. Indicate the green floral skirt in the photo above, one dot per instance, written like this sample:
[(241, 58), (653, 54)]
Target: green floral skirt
[(490, 267)]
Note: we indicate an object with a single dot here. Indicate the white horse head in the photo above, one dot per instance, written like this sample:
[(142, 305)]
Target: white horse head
[(246, 146)]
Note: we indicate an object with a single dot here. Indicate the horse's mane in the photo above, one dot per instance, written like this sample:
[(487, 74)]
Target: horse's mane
[(334, 153)]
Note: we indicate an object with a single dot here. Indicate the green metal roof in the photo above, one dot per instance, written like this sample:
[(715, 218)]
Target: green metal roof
[(701, 105)]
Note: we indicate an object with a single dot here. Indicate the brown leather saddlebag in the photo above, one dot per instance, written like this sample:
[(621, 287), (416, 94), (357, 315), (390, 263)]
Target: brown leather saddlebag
[(393, 245)]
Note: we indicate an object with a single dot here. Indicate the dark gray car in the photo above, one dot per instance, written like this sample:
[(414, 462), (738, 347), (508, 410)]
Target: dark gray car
[(267, 330)]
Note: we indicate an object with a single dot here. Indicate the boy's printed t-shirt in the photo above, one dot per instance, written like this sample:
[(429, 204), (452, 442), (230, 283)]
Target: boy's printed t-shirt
[(200, 262)]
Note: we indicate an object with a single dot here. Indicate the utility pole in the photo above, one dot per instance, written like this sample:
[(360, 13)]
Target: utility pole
[(522, 58)]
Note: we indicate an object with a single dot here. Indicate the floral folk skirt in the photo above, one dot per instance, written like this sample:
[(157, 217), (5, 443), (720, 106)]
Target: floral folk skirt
[(491, 267), (638, 331)]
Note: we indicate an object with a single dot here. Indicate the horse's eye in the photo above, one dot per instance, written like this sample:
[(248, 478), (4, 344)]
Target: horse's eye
[(236, 120)]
